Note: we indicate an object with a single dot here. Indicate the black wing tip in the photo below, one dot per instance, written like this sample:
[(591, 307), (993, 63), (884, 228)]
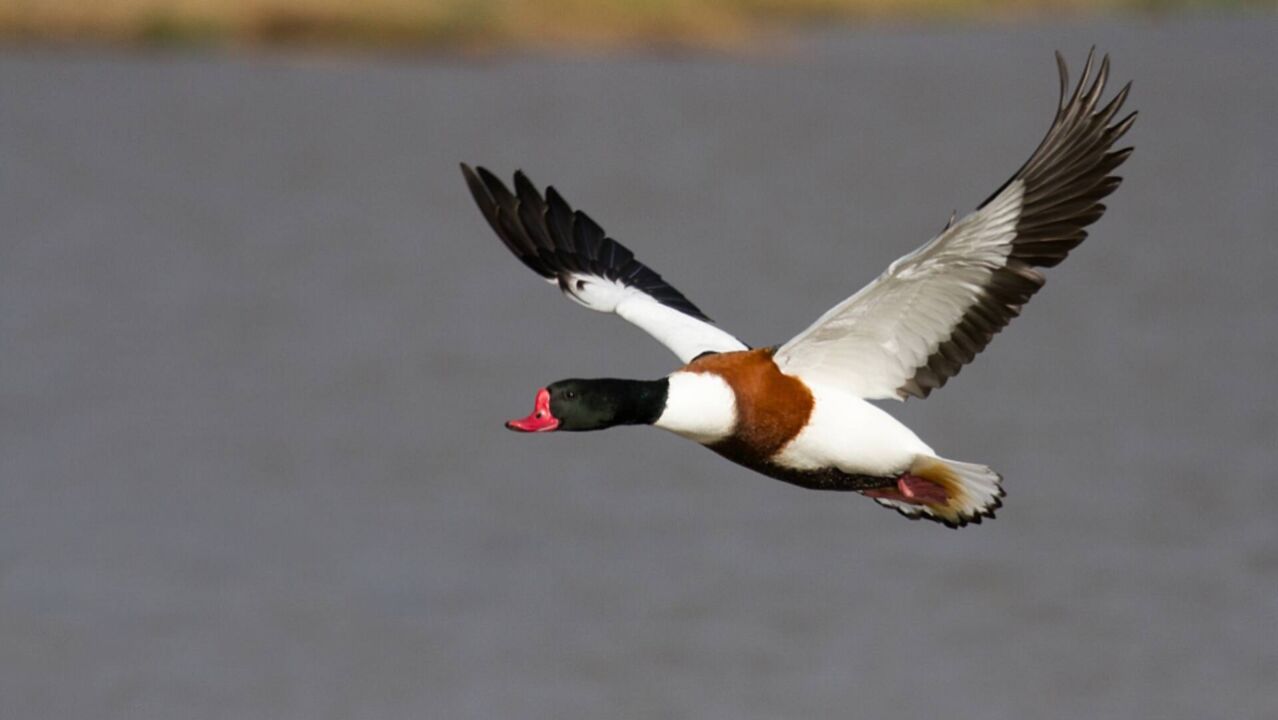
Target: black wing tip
[(491, 180), (476, 176), (553, 197), (1074, 162), (1089, 87), (1064, 181), (468, 173), (554, 239)]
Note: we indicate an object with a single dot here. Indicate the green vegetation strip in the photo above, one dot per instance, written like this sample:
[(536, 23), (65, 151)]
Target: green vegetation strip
[(492, 24)]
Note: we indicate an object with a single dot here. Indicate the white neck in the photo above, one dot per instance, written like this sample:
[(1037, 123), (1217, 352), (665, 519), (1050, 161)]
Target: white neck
[(700, 407)]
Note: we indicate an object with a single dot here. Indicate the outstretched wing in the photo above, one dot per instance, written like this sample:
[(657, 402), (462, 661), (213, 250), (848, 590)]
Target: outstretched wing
[(570, 250), (933, 310)]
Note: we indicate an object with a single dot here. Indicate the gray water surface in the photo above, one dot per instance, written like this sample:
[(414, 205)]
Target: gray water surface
[(256, 347)]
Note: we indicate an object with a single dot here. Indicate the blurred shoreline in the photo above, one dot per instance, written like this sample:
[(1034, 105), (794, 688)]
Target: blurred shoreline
[(480, 26)]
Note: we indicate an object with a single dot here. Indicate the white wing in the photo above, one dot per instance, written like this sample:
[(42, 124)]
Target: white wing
[(933, 310), (570, 250)]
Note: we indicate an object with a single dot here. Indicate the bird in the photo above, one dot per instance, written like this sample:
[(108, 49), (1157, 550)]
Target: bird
[(803, 411)]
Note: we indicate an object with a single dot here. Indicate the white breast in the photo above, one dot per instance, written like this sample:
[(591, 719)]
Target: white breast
[(700, 407), (852, 435)]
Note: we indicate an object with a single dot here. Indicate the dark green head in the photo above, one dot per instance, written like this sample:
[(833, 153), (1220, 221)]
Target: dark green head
[(579, 405)]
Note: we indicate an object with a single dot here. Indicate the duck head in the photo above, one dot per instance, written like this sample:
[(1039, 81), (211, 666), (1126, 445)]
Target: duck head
[(581, 405)]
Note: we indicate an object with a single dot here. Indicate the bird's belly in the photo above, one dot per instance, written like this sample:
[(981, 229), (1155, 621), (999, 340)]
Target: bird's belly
[(827, 478), (851, 436)]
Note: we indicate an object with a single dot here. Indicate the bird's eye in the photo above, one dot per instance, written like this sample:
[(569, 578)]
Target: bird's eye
[(570, 394), (581, 284)]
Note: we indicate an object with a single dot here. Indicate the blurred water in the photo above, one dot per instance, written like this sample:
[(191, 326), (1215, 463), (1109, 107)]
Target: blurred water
[(257, 345)]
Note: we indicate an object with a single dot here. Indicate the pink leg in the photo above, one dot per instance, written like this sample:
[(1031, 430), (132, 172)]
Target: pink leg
[(914, 490)]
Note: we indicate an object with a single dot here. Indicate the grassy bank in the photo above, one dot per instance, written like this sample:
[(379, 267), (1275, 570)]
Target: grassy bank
[(488, 24)]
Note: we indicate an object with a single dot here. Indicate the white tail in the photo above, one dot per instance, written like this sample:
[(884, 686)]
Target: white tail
[(945, 491)]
